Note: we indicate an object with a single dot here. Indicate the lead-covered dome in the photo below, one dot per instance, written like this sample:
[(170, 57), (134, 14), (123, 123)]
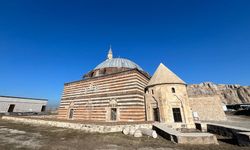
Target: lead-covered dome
[(118, 63), (113, 65)]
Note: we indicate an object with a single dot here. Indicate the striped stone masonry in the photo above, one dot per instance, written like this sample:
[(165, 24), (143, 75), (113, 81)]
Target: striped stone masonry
[(113, 97)]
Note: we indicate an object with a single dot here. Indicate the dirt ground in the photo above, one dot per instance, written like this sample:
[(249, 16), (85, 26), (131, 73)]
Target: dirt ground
[(19, 136)]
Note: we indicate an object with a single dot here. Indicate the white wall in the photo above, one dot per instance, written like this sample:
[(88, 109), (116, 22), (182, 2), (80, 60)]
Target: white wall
[(21, 104)]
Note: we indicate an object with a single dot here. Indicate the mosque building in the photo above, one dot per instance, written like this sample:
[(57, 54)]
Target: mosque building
[(113, 91), (119, 90)]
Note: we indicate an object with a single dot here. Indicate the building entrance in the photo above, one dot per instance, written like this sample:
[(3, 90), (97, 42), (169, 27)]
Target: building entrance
[(177, 115), (156, 114), (43, 108)]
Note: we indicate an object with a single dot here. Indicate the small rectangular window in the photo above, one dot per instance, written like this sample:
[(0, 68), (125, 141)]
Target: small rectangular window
[(113, 114), (71, 113), (152, 91)]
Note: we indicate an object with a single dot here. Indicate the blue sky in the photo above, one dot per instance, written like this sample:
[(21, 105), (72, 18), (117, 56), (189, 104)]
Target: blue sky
[(44, 43)]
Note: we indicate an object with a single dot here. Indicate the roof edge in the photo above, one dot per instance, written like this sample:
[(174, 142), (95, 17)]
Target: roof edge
[(7, 96), (164, 83), (141, 72)]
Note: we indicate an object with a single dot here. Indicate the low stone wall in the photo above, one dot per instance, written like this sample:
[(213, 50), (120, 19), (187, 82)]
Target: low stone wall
[(184, 138), (225, 130), (196, 138), (243, 138), (241, 135), (78, 126)]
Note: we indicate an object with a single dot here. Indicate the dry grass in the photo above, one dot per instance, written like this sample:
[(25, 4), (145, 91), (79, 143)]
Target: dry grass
[(19, 136)]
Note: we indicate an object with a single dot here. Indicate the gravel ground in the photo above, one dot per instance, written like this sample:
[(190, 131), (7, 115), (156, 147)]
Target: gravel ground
[(15, 136)]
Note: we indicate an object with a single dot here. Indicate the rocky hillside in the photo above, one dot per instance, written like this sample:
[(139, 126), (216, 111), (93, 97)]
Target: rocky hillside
[(230, 94)]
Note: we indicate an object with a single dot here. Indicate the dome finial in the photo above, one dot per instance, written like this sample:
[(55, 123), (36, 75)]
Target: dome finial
[(110, 53)]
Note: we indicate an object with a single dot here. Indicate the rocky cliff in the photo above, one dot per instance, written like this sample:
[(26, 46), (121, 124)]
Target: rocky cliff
[(229, 94)]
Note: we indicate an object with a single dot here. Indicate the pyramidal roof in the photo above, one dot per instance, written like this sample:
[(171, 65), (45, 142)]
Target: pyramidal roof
[(163, 75)]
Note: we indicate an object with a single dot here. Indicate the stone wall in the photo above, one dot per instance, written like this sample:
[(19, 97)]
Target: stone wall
[(239, 134), (79, 126), (208, 107)]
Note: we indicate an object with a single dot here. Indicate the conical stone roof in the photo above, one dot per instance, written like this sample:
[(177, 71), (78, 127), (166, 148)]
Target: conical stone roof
[(163, 75)]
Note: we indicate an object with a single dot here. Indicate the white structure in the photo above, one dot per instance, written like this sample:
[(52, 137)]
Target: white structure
[(224, 106), (22, 104)]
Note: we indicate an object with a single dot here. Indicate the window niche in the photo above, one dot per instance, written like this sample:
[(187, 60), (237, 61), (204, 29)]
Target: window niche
[(71, 113), (173, 90), (113, 109), (113, 114)]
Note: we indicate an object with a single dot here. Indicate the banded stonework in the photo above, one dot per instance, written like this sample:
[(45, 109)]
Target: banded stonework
[(113, 97)]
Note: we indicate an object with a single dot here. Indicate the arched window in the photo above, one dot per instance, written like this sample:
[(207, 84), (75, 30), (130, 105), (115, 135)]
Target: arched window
[(173, 90)]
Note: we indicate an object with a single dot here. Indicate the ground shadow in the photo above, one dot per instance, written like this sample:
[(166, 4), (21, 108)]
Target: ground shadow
[(227, 140)]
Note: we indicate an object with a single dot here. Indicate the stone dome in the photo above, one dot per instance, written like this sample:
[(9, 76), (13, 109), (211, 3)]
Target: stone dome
[(118, 63)]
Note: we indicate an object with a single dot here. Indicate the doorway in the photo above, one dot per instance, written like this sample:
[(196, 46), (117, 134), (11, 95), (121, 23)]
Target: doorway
[(113, 113), (177, 115), (11, 108), (43, 108), (156, 114)]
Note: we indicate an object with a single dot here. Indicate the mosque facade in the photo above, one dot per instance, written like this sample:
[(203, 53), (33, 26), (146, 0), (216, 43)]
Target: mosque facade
[(119, 90), (113, 91)]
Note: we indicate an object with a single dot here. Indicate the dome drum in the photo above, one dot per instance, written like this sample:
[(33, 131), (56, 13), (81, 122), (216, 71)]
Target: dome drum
[(104, 71)]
